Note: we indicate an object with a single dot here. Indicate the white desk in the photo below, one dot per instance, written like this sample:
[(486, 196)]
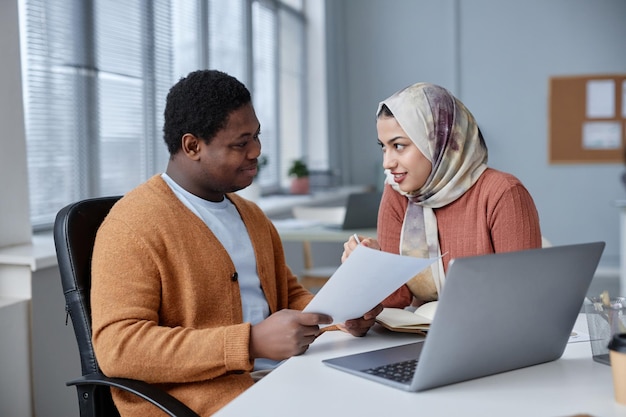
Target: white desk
[(281, 204), (317, 233), (305, 387)]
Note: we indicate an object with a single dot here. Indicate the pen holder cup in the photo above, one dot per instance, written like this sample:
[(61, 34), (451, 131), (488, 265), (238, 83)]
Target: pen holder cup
[(603, 322)]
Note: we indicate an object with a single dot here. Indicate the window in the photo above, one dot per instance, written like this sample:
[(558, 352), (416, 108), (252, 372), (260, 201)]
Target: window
[(96, 74)]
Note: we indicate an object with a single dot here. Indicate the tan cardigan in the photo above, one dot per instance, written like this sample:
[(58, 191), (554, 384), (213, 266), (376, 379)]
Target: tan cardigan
[(166, 304), (496, 215)]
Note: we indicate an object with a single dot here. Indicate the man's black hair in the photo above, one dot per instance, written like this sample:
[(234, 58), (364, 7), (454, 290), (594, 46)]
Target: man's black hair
[(200, 104)]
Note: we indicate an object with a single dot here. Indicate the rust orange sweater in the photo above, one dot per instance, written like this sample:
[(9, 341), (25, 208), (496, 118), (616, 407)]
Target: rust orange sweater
[(165, 306), (496, 215)]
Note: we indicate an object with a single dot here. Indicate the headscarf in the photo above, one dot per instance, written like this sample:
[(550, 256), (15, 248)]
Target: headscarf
[(447, 134)]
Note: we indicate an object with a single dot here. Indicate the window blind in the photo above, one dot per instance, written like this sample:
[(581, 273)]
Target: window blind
[(264, 84), (96, 74)]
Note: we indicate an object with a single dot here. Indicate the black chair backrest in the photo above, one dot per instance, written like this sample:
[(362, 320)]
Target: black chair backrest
[(74, 236)]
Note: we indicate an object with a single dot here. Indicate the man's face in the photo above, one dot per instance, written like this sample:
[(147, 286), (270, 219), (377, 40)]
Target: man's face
[(228, 162)]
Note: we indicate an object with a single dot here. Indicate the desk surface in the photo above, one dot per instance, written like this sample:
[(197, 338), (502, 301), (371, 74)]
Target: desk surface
[(291, 230), (305, 387), (276, 205)]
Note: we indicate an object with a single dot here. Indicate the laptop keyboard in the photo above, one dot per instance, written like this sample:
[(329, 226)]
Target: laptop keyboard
[(400, 371)]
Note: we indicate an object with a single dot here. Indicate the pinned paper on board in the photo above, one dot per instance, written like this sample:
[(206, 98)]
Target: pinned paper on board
[(602, 135), (624, 99), (601, 99)]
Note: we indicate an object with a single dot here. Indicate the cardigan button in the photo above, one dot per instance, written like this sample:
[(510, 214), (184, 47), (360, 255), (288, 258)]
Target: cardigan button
[(234, 277)]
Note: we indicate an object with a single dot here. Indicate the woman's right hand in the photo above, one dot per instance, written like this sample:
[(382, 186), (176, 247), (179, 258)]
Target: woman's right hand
[(351, 245)]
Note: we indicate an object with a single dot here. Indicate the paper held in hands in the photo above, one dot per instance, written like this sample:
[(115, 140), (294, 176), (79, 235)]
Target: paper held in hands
[(365, 279), (400, 320)]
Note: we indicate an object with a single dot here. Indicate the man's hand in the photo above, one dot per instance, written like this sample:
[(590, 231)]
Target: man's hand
[(285, 333)]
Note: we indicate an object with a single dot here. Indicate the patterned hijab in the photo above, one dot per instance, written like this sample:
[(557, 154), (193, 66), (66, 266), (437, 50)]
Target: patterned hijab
[(446, 133)]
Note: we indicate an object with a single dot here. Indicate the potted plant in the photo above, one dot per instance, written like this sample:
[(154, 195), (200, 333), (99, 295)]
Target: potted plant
[(300, 173)]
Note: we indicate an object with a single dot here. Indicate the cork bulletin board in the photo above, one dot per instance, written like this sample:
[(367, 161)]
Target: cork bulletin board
[(587, 119)]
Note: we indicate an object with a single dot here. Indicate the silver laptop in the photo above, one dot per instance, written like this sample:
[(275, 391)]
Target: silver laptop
[(496, 313), (361, 211)]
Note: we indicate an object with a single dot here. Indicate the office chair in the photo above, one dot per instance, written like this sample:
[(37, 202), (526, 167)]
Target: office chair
[(74, 235)]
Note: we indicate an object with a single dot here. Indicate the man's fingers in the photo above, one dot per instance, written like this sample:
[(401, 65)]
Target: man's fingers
[(314, 319)]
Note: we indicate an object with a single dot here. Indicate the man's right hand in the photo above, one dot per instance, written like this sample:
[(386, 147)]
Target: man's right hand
[(285, 333)]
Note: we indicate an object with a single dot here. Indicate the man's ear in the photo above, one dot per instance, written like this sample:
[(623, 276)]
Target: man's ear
[(191, 146)]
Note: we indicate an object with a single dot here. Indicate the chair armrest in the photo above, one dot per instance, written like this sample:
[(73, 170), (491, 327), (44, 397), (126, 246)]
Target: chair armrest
[(150, 393)]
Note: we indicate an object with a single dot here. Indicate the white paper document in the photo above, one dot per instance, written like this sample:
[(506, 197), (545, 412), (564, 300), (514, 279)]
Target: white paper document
[(601, 98), (624, 98), (602, 135), (365, 279)]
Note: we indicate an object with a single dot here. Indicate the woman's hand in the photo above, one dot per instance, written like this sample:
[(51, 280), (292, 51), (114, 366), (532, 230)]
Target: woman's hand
[(352, 243), (359, 327)]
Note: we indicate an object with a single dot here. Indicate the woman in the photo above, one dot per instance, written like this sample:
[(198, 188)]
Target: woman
[(440, 197)]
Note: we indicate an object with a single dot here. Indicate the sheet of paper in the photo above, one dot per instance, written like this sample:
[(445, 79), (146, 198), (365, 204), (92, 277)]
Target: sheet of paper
[(601, 98), (602, 135), (578, 337), (365, 279), (624, 98)]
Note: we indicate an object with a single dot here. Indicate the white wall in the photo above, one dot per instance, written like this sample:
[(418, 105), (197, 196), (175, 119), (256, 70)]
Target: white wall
[(15, 381), (497, 56), (15, 374), (15, 225)]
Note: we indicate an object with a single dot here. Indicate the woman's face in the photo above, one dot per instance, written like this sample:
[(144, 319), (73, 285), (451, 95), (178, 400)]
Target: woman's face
[(408, 165)]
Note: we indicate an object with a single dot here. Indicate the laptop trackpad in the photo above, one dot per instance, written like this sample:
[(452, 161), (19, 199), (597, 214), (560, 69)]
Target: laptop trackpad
[(375, 358)]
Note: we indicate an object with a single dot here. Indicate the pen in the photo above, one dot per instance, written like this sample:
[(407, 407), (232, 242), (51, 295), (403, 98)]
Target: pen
[(356, 238)]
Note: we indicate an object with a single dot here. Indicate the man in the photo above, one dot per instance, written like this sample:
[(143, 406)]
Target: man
[(190, 288)]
